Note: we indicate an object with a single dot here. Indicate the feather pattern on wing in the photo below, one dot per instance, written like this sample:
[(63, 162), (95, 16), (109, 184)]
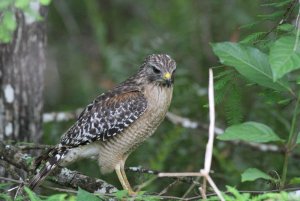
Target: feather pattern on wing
[(108, 115)]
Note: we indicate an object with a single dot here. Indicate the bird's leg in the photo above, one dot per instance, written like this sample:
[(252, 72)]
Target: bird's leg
[(123, 179)]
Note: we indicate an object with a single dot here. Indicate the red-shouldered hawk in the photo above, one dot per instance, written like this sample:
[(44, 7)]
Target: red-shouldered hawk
[(117, 121)]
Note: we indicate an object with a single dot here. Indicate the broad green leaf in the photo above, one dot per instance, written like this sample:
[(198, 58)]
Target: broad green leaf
[(250, 62), (252, 174), (250, 132), (83, 195), (284, 56)]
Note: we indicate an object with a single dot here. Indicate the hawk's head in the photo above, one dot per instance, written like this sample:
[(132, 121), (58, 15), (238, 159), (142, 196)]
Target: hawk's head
[(159, 69)]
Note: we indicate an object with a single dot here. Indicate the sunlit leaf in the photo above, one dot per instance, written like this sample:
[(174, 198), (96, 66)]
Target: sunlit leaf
[(252, 174), (250, 132), (284, 56)]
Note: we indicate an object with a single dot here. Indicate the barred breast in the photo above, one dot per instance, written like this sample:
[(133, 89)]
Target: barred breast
[(118, 148)]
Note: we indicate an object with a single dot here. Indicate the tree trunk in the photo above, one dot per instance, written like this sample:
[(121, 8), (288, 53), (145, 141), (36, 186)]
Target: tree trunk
[(22, 64)]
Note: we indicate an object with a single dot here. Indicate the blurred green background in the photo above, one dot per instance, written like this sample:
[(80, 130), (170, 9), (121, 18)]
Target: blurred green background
[(95, 44)]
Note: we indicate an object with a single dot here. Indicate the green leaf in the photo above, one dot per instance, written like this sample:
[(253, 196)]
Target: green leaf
[(22, 4), (252, 174), (253, 37), (271, 16), (277, 4), (286, 27), (250, 132), (9, 21), (295, 180), (83, 195), (250, 62), (237, 195), (32, 195), (5, 35), (121, 194), (5, 197), (283, 57), (45, 2), (4, 4), (57, 197)]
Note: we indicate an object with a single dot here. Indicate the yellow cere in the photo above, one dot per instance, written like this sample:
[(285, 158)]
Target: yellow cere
[(167, 76)]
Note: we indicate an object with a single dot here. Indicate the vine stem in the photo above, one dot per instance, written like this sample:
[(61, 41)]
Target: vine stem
[(290, 144)]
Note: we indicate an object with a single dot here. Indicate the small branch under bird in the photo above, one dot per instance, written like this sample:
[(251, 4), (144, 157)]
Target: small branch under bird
[(116, 122)]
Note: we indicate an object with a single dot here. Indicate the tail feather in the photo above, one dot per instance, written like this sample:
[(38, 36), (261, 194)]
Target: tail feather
[(53, 159)]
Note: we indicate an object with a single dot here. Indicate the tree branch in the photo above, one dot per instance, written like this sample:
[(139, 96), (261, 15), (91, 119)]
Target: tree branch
[(173, 118), (63, 176)]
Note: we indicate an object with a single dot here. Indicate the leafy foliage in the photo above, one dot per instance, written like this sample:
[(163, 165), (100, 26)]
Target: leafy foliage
[(284, 56), (252, 174), (250, 132), (8, 21), (250, 62)]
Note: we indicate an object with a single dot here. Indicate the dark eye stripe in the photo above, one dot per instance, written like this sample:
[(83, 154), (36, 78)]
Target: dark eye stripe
[(155, 70)]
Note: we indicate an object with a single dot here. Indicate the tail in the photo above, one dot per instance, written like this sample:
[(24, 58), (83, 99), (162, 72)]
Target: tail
[(52, 158)]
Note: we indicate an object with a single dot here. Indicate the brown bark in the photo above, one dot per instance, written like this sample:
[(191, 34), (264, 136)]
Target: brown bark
[(22, 63)]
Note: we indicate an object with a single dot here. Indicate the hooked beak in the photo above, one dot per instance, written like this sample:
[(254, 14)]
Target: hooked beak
[(168, 78)]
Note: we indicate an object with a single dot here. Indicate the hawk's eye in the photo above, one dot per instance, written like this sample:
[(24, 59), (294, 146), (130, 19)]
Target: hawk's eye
[(156, 70)]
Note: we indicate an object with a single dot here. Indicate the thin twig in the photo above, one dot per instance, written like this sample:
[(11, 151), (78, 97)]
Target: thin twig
[(210, 143), (209, 147), (214, 186), (191, 188), (13, 180), (165, 190)]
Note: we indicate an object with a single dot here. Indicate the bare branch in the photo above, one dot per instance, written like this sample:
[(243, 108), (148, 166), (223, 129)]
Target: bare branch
[(61, 116), (209, 147)]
